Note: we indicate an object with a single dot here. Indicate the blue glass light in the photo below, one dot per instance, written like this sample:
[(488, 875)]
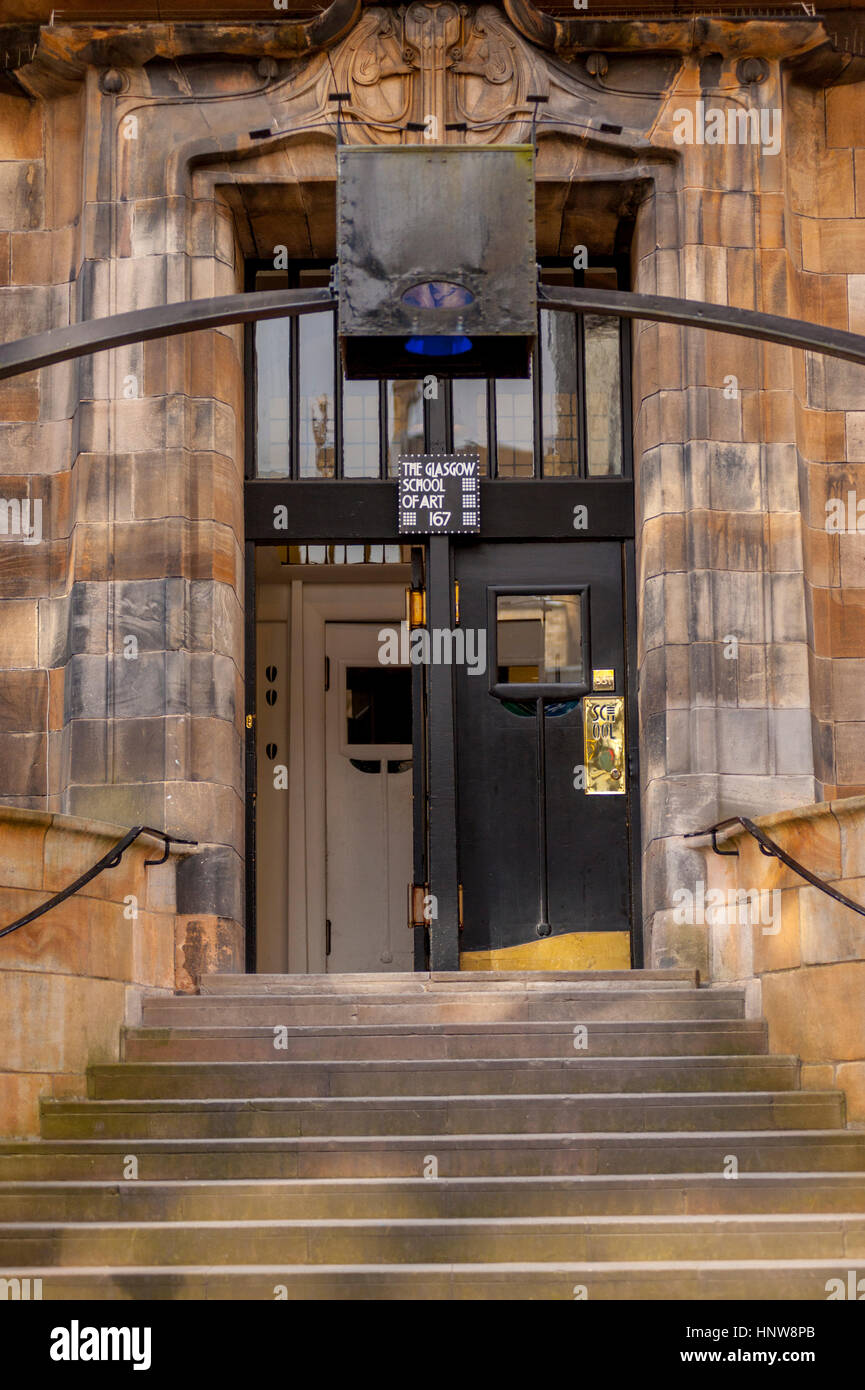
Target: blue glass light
[(438, 346)]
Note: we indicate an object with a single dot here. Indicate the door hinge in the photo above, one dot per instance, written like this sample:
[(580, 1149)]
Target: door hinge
[(420, 906), (418, 895), (327, 673), (250, 720), (415, 608), (327, 934)]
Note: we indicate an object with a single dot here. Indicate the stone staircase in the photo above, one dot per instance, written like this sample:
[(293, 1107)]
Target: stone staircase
[(440, 1136)]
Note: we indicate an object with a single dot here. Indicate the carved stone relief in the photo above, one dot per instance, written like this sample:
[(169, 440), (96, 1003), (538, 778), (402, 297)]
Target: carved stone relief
[(455, 73)]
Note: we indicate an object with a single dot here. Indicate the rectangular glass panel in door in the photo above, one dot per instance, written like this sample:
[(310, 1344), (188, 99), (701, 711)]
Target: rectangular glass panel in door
[(539, 638), (543, 637)]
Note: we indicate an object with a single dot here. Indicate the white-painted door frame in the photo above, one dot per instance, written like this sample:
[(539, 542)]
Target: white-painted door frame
[(312, 606)]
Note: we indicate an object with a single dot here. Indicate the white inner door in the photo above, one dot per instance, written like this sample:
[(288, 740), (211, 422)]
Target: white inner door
[(369, 803)]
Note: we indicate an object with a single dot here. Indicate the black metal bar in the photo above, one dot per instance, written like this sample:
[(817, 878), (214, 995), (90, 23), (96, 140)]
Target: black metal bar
[(194, 315), (543, 927), (250, 758), (719, 318), (419, 772), (443, 863), (774, 851), (442, 855), (164, 321), (511, 509), (108, 861), (632, 802)]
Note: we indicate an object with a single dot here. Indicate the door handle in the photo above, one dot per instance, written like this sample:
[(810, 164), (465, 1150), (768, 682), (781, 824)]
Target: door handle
[(327, 937)]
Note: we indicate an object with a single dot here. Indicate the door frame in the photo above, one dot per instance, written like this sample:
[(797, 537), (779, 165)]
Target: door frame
[(360, 517), (312, 607)]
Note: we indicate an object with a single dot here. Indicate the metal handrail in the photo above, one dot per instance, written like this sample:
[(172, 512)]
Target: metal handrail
[(774, 851), (108, 861)]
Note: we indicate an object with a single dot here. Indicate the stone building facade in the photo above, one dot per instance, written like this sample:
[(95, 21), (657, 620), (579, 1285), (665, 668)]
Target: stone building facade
[(145, 163)]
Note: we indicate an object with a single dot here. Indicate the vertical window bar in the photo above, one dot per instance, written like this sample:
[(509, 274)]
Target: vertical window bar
[(338, 393), (537, 407), (383, 437), (626, 404), (294, 404), (582, 423)]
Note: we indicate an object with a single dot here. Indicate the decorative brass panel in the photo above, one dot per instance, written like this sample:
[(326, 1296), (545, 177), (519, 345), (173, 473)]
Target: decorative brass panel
[(604, 733), (603, 680)]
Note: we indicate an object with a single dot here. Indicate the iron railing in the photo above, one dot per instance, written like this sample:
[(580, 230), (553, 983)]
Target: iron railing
[(774, 851), (108, 861)]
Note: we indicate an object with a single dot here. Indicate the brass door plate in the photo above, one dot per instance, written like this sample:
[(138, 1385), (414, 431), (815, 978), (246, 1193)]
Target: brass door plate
[(603, 680), (604, 733)]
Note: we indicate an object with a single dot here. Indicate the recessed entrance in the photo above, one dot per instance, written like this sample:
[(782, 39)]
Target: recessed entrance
[(459, 792)]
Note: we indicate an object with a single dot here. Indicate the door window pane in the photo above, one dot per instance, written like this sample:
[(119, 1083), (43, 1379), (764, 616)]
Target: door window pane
[(317, 435), (558, 343), (378, 704), (273, 372), (405, 422), (470, 418), (360, 454), (515, 429), (603, 396), (539, 639)]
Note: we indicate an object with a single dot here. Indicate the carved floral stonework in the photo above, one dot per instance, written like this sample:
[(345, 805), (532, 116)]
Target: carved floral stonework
[(460, 74)]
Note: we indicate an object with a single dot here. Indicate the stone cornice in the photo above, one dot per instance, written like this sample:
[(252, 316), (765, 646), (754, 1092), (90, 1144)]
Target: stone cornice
[(53, 58)]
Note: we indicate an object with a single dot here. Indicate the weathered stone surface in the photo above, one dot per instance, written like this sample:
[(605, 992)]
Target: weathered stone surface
[(205, 945), (850, 1078), (817, 1012), (64, 977)]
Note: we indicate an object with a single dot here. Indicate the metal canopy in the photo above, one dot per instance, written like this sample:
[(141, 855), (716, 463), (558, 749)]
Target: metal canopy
[(436, 248)]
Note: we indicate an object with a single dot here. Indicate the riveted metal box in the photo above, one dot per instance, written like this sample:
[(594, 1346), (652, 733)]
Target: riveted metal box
[(436, 243)]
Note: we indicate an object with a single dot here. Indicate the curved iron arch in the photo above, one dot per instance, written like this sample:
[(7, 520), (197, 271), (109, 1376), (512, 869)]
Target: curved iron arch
[(193, 315)]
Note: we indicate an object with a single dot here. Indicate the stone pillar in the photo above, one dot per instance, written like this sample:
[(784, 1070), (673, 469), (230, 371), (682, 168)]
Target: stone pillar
[(725, 701)]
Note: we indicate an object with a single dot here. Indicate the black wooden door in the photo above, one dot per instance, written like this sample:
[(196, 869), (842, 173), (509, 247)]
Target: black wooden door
[(538, 853)]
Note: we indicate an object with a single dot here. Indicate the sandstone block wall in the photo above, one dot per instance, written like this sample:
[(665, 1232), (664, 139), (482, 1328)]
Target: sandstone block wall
[(803, 958)]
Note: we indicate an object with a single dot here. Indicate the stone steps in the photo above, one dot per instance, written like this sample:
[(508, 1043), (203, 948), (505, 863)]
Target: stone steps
[(441, 1137), (276, 1118), (457, 1155), (386, 1199), (706, 1281), (437, 1041), (569, 1005), (448, 981), (475, 1076), (531, 1239)]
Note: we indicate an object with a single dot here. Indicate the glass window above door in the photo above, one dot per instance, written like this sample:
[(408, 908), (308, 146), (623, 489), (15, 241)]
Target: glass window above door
[(564, 421)]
